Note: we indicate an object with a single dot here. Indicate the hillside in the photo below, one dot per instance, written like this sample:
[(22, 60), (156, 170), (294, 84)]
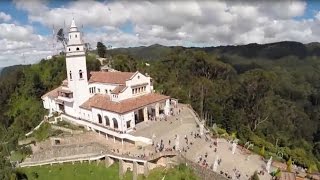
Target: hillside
[(266, 94), (265, 51), (21, 88)]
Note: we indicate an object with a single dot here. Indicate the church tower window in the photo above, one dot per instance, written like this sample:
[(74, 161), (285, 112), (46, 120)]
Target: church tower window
[(78, 49), (76, 36), (80, 74), (70, 75), (69, 49)]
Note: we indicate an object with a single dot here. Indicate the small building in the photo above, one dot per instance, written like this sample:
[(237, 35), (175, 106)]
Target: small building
[(111, 103)]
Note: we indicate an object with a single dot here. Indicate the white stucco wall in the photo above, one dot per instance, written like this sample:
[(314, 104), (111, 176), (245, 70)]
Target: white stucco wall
[(69, 109), (86, 114), (110, 115), (135, 81), (128, 117), (102, 87)]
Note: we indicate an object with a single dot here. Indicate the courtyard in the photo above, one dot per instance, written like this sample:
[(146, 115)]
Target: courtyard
[(179, 132)]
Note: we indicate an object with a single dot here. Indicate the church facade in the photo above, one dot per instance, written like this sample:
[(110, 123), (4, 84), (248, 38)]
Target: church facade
[(111, 103)]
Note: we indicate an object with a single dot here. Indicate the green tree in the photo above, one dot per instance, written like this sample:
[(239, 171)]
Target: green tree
[(262, 151), (101, 49), (289, 165)]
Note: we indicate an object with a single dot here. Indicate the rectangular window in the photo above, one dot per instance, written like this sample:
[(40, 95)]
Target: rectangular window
[(128, 124), (106, 91), (132, 91), (144, 88), (98, 90)]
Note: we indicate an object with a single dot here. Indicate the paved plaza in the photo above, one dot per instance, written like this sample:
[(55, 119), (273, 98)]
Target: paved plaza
[(180, 126)]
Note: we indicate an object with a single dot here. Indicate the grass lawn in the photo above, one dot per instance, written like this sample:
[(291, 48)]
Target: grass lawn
[(95, 172)]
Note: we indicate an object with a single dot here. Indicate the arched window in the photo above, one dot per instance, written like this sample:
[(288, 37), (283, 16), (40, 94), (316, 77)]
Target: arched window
[(78, 49), (100, 119), (107, 120), (80, 74), (115, 123), (69, 49), (70, 75)]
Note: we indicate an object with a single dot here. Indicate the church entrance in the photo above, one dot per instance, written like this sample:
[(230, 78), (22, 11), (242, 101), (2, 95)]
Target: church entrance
[(138, 116)]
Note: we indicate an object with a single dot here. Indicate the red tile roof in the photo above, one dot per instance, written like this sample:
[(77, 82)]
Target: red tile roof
[(118, 89), (103, 102), (55, 92), (110, 77), (52, 94)]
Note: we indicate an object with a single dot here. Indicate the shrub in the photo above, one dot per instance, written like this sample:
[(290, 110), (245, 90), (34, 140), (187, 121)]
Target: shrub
[(262, 152), (254, 176), (35, 175), (289, 165)]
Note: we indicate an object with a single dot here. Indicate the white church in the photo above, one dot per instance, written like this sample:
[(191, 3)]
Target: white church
[(111, 103)]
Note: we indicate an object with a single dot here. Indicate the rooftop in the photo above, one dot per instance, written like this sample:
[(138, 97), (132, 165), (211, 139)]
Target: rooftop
[(100, 101), (119, 89), (110, 77), (53, 93)]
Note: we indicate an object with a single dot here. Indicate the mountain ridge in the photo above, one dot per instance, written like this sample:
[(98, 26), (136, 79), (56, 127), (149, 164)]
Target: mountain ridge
[(275, 50)]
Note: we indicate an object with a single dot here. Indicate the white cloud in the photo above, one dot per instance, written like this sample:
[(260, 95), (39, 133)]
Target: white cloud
[(4, 17), (20, 45), (167, 22)]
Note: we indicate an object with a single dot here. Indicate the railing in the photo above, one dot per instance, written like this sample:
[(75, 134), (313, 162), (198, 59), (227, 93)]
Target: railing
[(61, 160), (96, 156), (162, 154)]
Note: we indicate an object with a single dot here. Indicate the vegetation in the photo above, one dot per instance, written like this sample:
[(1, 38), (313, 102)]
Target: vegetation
[(21, 109), (93, 171), (266, 94), (254, 176), (289, 165), (262, 152), (101, 49)]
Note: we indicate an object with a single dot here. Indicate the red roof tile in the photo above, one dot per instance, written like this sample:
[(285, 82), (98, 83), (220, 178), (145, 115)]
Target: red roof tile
[(118, 89), (103, 102), (110, 77), (52, 93)]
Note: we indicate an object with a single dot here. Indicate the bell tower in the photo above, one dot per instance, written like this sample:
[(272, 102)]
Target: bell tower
[(76, 67)]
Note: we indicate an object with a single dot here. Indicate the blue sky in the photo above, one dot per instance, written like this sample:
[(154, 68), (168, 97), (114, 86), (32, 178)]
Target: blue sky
[(26, 26)]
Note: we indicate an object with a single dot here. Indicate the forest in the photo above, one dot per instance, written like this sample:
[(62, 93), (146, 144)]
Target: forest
[(266, 94), (21, 88), (252, 91)]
